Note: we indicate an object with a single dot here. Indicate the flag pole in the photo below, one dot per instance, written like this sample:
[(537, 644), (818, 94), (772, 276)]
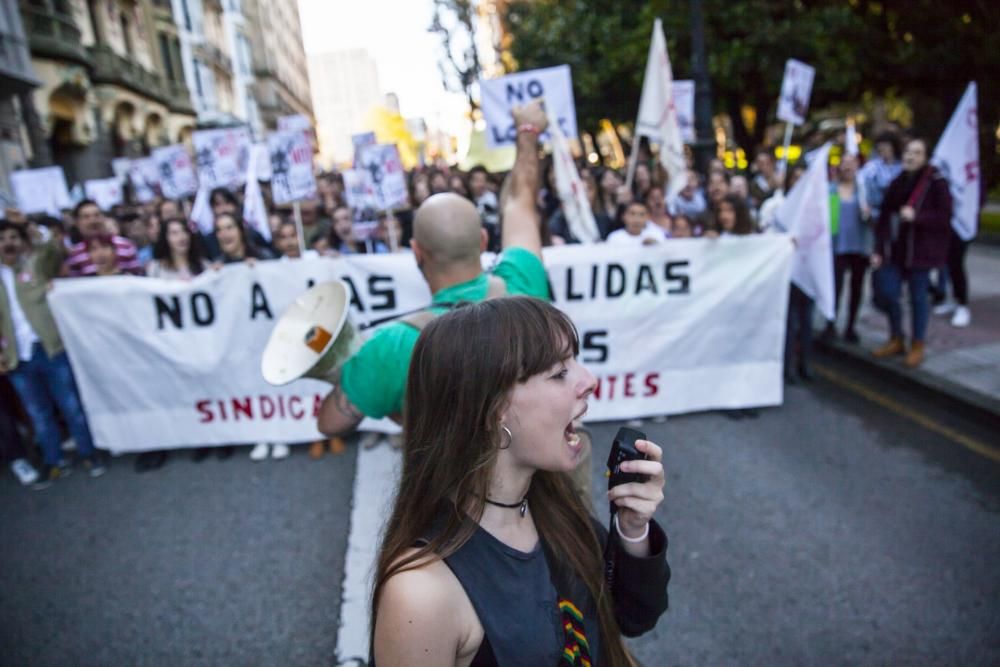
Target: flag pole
[(297, 211), (633, 157)]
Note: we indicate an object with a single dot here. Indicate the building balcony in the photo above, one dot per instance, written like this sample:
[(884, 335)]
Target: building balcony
[(109, 67), (16, 74), (180, 98), (52, 33)]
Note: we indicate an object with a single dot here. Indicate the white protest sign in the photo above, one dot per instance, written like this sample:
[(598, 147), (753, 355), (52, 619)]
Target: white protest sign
[(177, 176), (388, 179), (40, 190), (499, 96), (684, 105), (222, 156), (292, 177), (106, 192), (687, 325), (260, 162), (292, 122), (796, 89), (358, 189), (120, 167), (957, 157), (359, 141), (144, 173)]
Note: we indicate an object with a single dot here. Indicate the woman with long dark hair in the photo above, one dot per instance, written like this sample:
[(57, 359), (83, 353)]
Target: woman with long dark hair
[(490, 557), (177, 253), (234, 242)]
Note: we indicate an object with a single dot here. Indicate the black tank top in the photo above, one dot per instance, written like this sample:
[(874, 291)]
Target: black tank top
[(516, 602)]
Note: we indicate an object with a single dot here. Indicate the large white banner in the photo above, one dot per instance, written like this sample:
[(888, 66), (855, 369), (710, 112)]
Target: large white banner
[(693, 324), (957, 156), (222, 156), (292, 175), (177, 175), (499, 96), (796, 89)]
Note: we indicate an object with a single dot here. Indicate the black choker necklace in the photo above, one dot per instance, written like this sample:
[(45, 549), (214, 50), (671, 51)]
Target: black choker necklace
[(522, 504)]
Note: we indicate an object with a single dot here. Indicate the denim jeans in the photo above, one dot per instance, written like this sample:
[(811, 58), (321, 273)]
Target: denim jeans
[(45, 383), (888, 284)]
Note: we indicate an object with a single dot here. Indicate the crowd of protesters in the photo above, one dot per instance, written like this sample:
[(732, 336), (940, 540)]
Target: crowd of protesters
[(894, 190)]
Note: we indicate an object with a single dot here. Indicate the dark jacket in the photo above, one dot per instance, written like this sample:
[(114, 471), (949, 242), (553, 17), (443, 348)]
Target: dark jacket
[(922, 244)]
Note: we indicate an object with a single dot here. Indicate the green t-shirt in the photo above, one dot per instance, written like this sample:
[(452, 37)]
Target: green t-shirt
[(375, 378)]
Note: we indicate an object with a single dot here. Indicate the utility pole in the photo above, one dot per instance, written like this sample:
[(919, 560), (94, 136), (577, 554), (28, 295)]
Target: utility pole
[(704, 145)]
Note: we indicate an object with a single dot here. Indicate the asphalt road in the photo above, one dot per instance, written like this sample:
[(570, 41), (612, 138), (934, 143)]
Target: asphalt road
[(827, 531)]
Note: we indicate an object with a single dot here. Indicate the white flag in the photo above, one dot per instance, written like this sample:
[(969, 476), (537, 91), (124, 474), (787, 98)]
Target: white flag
[(572, 191), (658, 115), (201, 211), (957, 158), (851, 139), (805, 214), (254, 210)]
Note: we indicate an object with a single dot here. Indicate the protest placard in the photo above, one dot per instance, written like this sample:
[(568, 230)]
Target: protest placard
[(293, 122), (358, 189), (388, 180), (177, 175), (359, 141), (796, 88), (120, 167), (260, 162), (41, 190), (684, 104), (222, 156), (292, 177), (107, 192), (499, 96), (144, 173)]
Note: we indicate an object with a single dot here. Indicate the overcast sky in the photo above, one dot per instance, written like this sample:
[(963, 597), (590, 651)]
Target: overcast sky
[(395, 33)]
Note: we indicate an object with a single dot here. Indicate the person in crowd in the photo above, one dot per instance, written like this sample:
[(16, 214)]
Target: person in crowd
[(33, 356), (447, 242), (911, 238), (390, 233), (638, 229), (420, 188), (437, 181), (330, 188), (136, 230), (739, 186), (321, 244), (851, 244), (489, 556), (101, 250), (177, 253), (13, 451), (167, 209), (486, 203), (90, 222), (344, 239), (642, 180), (558, 227), (959, 278), (681, 227), (764, 183), (608, 183), (878, 173), (234, 241), (732, 217), (224, 202), (656, 204), (690, 201), (456, 184), (717, 189), (286, 241), (313, 218)]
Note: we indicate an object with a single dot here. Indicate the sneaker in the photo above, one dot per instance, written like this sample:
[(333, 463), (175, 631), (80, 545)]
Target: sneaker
[(260, 451), (48, 475), (946, 308), (962, 317), (280, 450), (24, 471), (94, 465)]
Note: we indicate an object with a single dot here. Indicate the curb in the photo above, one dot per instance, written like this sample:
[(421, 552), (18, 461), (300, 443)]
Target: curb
[(969, 400)]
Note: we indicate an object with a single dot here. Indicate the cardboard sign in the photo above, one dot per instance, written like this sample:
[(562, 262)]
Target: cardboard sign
[(292, 175), (388, 180), (684, 104), (358, 189), (796, 88), (144, 174), (120, 167), (41, 190), (222, 156), (177, 176), (107, 192), (500, 96), (359, 141)]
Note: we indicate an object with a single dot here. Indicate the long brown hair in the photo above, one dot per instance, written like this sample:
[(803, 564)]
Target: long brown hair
[(463, 368)]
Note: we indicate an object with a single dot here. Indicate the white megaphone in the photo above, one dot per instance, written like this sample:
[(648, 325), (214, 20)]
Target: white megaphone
[(313, 338)]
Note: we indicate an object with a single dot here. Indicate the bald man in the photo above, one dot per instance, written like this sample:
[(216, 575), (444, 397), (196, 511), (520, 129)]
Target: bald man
[(447, 241)]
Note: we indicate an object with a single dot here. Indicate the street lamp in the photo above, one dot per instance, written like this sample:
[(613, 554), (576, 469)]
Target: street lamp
[(704, 145)]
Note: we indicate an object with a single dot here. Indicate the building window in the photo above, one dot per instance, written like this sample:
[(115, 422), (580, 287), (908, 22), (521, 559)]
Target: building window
[(126, 35), (197, 78), (168, 61), (187, 15)]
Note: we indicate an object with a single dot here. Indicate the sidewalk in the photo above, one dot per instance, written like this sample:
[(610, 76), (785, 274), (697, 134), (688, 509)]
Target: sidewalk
[(962, 363)]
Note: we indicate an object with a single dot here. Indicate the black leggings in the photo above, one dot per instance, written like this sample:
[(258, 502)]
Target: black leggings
[(956, 268), (858, 265)]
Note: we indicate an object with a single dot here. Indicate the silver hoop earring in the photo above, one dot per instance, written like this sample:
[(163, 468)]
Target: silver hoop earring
[(510, 437)]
